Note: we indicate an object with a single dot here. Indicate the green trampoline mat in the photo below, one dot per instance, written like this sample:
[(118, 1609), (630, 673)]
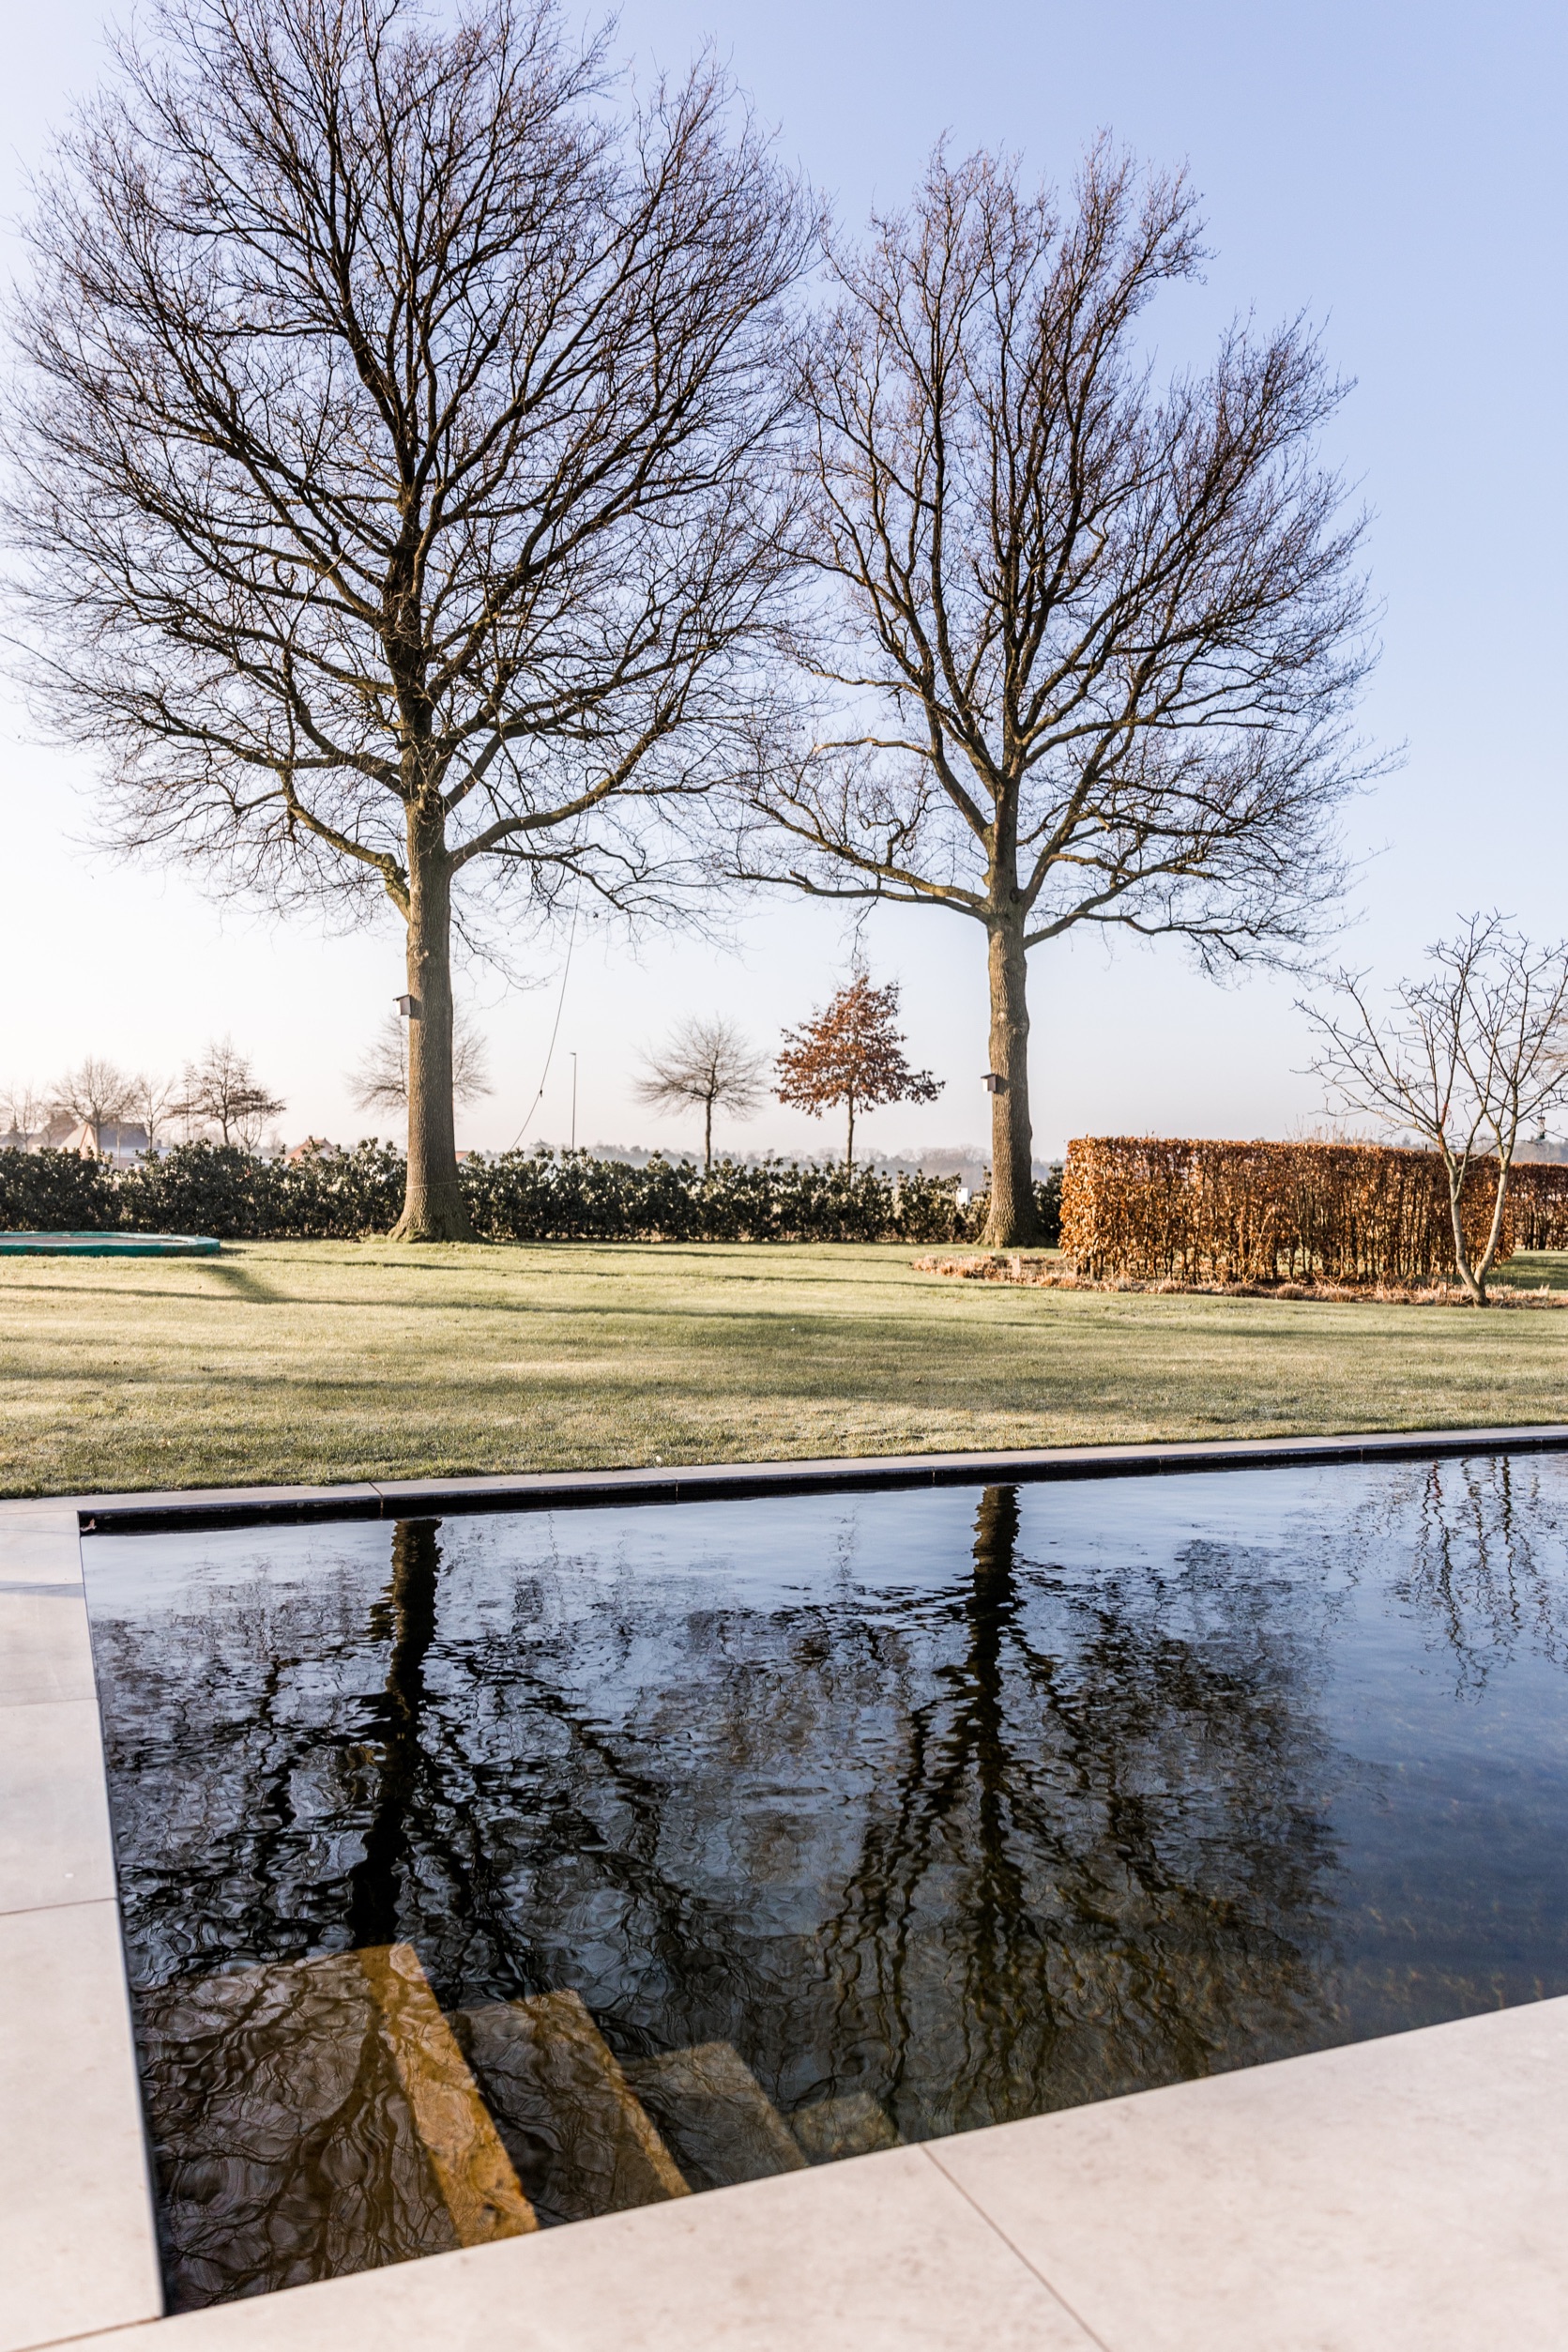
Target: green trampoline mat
[(108, 1245)]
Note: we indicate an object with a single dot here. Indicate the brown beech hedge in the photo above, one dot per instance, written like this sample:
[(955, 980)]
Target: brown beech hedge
[(1155, 1208)]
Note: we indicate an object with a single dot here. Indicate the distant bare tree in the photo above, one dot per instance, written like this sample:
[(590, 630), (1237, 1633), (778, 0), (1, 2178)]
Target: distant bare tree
[(381, 1080), (400, 469), (23, 1111), (1083, 647), (221, 1091), (1469, 1058), (98, 1093), (153, 1102), (708, 1064)]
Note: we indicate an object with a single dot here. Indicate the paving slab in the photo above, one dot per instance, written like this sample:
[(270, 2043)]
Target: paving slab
[(880, 2256), (1399, 2195), (36, 1511), (77, 2244), (46, 1651), (36, 1551), (55, 1839), (699, 1482)]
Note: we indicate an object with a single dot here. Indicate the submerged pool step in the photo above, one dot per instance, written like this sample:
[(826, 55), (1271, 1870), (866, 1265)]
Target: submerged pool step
[(591, 2135), (851, 2125), (715, 2115), (314, 2117), (581, 2140), (473, 2172), (724, 2128)]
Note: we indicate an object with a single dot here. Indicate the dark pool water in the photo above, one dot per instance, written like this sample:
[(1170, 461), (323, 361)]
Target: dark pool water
[(943, 1807)]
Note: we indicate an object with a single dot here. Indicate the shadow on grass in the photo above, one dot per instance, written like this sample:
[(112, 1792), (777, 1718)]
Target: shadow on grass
[(125, 1296), (242, 1284)]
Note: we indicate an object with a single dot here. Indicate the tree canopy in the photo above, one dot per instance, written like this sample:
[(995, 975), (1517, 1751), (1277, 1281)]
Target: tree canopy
[(399, 462), (708, 1064), (851, 1056), (1082, 646)]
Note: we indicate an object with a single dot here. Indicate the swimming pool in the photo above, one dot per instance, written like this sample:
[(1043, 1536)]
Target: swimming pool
[(487, 1873)]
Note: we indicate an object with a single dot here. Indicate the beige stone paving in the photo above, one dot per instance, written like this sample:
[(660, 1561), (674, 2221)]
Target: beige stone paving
[(77, 2246)]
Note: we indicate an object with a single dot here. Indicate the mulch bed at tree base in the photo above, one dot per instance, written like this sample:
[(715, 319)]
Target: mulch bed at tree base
[(1043, 1274)]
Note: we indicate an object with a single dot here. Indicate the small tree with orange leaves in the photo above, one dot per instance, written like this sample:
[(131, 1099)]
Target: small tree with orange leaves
[(851, 1054)]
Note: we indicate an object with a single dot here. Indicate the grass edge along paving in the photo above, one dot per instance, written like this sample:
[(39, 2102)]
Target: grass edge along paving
[(320, 1362)]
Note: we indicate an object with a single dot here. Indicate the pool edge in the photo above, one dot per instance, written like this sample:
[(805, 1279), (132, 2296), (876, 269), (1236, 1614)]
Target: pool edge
[(161, 1510)]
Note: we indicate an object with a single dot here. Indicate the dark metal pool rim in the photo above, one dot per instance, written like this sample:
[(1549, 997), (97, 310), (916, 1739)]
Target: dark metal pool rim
[(587, 1489)]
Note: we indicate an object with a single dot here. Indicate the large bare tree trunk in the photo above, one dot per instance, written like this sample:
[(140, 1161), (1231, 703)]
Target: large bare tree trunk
[(1011, 1222), (433, 1209)]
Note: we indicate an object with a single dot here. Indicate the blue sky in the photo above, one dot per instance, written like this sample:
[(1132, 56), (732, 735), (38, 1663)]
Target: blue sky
[(1398, 174)]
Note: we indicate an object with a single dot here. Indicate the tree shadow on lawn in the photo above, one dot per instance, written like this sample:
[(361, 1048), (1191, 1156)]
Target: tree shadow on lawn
[(244, 1285)]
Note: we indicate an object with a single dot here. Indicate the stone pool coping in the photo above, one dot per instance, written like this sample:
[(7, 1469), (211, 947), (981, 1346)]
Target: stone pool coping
[(156, 1509), (1398, 2195)]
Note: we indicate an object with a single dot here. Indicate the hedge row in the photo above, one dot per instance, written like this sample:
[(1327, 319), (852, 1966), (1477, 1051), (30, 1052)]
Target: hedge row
[(1538, 1205), (203, 1189), (1157, 1210), (513, 1197)]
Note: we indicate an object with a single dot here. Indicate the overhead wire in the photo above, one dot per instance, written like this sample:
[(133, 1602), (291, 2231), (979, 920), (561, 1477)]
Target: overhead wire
[(561, 1002)]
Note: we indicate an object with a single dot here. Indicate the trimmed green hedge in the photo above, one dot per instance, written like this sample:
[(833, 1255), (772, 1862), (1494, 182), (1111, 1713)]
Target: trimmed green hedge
[(515, 1197), (205, 1188)]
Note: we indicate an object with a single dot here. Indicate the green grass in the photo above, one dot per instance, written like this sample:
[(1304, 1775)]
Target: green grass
[(326, 1361)]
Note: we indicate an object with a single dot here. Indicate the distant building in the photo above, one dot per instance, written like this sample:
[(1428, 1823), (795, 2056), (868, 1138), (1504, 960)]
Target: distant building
[(121, 1142)]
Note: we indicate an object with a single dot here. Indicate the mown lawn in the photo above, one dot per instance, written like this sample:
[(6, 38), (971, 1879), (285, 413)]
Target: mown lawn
[(327, 1360)]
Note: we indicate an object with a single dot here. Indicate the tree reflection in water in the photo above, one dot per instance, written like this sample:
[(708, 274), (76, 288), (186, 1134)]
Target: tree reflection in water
[(1096, 1868), (979, 1835), (1485, 1566), (408, 1616)]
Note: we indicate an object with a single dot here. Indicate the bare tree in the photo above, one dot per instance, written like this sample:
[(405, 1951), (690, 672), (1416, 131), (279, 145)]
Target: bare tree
[(98, 1093), (221, 1091), (1083, 649), (153, 1102), (381, 1080), (398, 468), (23, 1111), (1469, 1058), (705, 1063)]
